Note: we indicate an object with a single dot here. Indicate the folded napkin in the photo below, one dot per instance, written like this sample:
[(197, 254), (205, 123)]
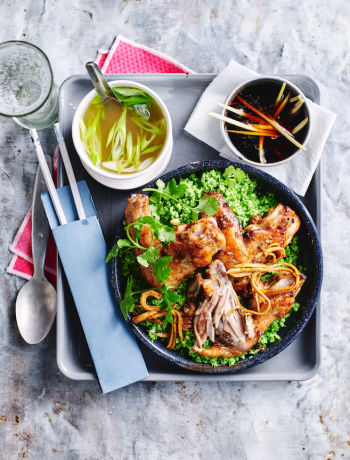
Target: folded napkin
[(125, 56), (113, 346), (298, 172)]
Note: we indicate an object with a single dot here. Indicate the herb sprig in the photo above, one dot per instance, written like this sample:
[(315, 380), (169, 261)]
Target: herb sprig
[(162, 232), (161, 269), (207, 204)]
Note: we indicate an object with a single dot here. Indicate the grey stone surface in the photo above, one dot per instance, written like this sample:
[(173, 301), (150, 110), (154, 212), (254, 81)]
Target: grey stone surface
[(45, 416)]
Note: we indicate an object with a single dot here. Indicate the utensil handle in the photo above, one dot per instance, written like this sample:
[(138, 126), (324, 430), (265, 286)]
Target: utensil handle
[(40, 224), (70, 172), (47, 176), (100, 83)]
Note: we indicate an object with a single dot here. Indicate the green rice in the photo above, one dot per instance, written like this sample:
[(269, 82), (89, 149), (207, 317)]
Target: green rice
[(242, 194)]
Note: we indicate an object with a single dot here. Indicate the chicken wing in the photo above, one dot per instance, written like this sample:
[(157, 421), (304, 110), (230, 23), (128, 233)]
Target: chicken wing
[(220, 317), (234, 251), (195, 244), (138, 207), (278, 226)]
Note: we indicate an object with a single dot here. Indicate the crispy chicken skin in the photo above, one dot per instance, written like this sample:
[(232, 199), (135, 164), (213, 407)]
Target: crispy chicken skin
[(219, 316), (278, 225), (138, 207), (235, 251), (195, 244)]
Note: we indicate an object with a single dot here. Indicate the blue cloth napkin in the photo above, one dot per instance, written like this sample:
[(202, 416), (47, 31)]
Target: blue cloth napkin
[(117, 357)]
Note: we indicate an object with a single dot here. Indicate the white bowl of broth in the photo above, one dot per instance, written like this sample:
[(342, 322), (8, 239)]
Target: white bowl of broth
[(123, 146)]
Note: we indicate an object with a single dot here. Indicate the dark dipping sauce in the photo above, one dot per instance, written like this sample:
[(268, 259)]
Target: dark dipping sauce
[(262, 96)]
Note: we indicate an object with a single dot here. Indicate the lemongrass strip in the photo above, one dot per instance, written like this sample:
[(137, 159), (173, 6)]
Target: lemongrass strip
[(297, 106), (273, 123), (279, 96), (251, 133), (295, 98), (261, 150), (241, 113), (267, 126), (231, 121), (300, 125), (281, 107)]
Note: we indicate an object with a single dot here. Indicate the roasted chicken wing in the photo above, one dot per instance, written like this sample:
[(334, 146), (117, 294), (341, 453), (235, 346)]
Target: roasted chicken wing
[(234, 251), (220, 317), (138, 207), (195, 244), (278, 226)]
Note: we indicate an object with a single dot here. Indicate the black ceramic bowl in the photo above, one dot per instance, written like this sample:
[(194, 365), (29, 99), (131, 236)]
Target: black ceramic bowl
[(310, 257)]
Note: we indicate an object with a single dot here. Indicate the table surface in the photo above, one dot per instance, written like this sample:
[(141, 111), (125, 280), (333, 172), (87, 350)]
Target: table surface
[(44, 415)]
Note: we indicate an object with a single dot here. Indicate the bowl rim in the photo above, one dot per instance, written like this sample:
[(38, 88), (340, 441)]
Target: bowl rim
[(174, 356), (78, 143), (235, 91)]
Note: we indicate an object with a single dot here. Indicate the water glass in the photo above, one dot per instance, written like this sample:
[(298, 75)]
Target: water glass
[(28, 93)]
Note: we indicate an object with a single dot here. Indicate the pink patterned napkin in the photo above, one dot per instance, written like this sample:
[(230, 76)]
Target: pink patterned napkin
[(125, 56)]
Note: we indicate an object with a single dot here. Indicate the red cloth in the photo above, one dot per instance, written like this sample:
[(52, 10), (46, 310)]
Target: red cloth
[(125, 56)]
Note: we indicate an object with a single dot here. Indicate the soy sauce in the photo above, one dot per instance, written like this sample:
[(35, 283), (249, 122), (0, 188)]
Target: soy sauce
[(262, 96)]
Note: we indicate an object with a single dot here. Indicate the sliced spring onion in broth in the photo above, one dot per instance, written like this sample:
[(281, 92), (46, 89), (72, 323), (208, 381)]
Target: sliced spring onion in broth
[(147, 126), (137, 152), (129, 148), (94, 124), (111, 134), (115, 136), (152, 149), (145, 142), (82, 128), (118, 147), (95, 148)]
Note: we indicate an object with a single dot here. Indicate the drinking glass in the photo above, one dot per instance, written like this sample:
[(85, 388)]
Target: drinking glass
[(28, 93)]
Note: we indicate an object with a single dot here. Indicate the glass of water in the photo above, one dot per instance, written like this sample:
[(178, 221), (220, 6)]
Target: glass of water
[(28, 93)]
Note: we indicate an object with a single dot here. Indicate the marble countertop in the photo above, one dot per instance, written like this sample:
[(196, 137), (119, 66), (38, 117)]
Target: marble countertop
[(44, 415)]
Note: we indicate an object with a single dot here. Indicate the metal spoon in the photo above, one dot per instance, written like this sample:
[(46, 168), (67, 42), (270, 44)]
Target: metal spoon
[(104, 90), (36, 301), (100, 83)]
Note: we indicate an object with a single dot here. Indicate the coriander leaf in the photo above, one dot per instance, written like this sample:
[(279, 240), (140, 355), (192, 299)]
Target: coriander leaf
[(161, 270), (174, 190), (229, 171), (128, 303), (114, 251), (163, 233), (233, 173), (160, 184), (148, 257), (229, 182), (208, 204), (144, 220), (168, 317), (155, 208), (168, 298)]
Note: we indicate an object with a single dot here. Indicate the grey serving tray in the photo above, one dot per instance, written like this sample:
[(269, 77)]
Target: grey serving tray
[(180, 92)]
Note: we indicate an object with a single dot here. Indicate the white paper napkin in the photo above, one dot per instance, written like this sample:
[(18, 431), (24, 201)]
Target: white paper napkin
[(296, 173)]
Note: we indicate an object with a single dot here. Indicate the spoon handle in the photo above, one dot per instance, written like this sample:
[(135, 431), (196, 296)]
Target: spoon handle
[(100, 83), (40, 224)]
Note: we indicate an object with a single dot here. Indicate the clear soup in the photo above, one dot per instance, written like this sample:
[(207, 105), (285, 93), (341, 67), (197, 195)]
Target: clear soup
[(124, 138)]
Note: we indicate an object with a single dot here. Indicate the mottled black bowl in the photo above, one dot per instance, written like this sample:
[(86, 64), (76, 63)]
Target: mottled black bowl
[(310, 257)]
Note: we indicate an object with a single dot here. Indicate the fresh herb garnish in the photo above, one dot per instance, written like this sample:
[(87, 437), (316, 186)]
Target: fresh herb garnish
[(162, 232), (207, 204), (233, 175)]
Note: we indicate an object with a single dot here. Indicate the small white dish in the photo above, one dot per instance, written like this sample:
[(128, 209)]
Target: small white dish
[(123, 181)]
